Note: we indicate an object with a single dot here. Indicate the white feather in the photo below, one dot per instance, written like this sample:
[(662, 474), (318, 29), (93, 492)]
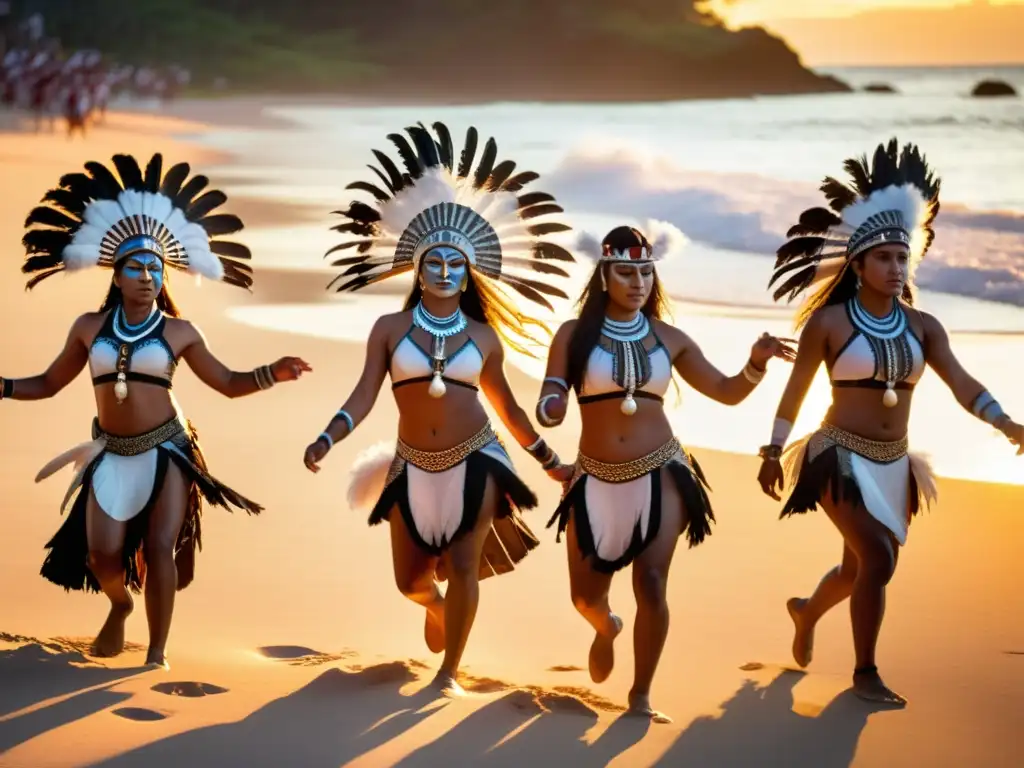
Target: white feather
[(132, 202), (667, 240), (102, 214), (368, 474), (435, 186), (80, 256), (589, 245), (201, 260), (907, 199)]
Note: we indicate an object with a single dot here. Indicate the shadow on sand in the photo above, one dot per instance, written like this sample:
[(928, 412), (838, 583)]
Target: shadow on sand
[(37, 672), (758, 727), (314, 727)]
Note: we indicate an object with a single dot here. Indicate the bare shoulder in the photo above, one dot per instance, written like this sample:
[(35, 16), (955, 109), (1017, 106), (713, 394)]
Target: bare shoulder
[(185, 330), (483, 335), (87, 325), (675, 339), (564, 332)]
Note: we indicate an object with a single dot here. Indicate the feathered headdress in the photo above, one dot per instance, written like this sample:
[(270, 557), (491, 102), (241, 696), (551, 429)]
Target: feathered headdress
[(895, 199), (433, 203), (98, 218), (668, 241)]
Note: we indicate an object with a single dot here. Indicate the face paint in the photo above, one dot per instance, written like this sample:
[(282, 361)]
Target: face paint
[(444, 271), (148, 263)]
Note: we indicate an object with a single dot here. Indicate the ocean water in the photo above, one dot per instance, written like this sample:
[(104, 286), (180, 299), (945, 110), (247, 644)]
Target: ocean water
[(724, 180)]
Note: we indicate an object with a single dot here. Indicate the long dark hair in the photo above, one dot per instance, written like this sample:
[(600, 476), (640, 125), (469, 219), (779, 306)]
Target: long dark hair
[(484, 302), (593, 303), (840, 289), (164, 301)]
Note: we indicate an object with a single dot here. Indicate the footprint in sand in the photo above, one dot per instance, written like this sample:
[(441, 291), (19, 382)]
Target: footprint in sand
[(300, 655), (189, 690), (565, 668), (139, 714)]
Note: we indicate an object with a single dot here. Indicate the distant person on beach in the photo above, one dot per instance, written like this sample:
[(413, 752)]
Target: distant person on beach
[(635, 489), (136, 497), (448, 490), (861, 252)]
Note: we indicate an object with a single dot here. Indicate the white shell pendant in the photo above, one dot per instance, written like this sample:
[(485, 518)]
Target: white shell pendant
[(889, 399), (437, 387), (628, 406), (121, 388)]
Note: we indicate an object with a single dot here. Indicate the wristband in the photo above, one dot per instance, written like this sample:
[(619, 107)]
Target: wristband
[(264, 376)]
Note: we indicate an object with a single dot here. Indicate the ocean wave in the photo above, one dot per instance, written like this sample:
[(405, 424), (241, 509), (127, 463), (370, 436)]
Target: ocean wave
[(976, 253)]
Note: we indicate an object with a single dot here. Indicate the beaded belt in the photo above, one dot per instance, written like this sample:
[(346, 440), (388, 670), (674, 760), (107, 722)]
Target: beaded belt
[(439, 461), (875, 450), (630, 470), (139, 444)]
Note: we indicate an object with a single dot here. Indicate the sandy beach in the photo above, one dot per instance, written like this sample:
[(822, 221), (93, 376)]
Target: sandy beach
[(293, 647)]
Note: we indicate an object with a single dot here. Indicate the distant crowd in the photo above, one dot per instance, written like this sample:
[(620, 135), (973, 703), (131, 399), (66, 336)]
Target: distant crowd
[(47, 83)]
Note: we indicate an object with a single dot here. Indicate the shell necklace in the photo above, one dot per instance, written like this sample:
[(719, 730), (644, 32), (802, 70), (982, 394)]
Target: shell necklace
[(630, 364), (439, 328), (894, 359)]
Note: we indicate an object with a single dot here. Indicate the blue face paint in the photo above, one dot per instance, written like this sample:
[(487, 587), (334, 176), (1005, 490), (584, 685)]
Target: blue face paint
[(145, 263), (445, 271)]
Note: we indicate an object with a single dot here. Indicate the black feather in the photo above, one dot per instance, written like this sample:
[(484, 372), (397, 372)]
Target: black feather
[(397, 180), (409, 158), (543, 267), (46, 241), (361, 228), (806, 245), (175, 177), (468, 153), (548, 228), (445, 148), (189, 192), (533, 198), (221, 224), (839, 195), (500, 174), (51, 217), (361, 212), (42, 276), (67, 200), (527, 291), (383, 179), (483, 170), (154, 169), (40, 263), (540, 210), (860, 172), (206, 203), (230, 250), (80, 185), (129, 171), (519, 181), (814, 221), (797, 283), (105, 183), (425, 146), (373, 189), (552, 252)]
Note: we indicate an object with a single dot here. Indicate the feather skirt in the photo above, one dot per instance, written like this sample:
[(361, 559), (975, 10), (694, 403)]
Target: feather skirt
[(439, 505), (616, 509), (67, 563), (885, 479)]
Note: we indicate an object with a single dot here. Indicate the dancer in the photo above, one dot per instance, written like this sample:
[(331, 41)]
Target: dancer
[(448, 490), (135, 500), (635, 488), (862, 324)]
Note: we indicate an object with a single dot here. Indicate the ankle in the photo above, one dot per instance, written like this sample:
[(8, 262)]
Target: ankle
[(867, 669)]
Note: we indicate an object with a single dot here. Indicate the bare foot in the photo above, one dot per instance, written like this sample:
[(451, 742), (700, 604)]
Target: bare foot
[(803, 639), (433, 629), (110, 640), (602, 651), (445, 684), (868, 686), (640, 706), (158, 659)]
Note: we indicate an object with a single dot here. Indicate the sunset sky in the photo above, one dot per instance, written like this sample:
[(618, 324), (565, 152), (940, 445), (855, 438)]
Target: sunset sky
[(889, 32)]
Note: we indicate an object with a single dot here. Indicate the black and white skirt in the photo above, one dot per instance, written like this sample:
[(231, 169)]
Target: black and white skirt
[(885, 478), (439, 495), (616, 508), (126, 476)]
